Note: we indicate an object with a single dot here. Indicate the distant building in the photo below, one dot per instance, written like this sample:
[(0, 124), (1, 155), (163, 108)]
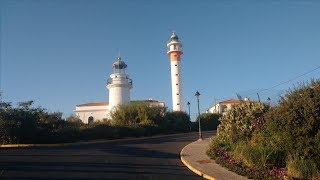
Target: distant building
[(98, 111), (119, 85), (223, 106)]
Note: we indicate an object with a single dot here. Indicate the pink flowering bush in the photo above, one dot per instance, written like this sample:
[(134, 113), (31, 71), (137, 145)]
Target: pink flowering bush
[(264, 142), (223, 157), (241, 121)]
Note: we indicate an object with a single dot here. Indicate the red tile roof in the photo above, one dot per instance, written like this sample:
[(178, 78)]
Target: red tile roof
[(230, 101), (95, 104), (107, 103), (149, 100)]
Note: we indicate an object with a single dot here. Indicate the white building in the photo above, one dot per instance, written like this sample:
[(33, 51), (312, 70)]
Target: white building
[(175, 51), (119, 85), (94, 111), (223, 106)]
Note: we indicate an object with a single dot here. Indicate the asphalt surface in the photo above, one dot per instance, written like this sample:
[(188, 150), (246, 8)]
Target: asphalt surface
[(152, 158)]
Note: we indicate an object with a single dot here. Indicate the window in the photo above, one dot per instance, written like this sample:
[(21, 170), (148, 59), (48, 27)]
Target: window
[(177, 93), (177, 84), (176, 74), (178, 104), (175, 65)]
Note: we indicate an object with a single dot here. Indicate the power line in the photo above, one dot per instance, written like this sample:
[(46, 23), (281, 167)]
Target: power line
[(272, 87), (291, 79), (287, 81)]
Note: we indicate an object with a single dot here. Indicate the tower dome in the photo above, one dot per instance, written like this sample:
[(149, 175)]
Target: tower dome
[(174, 36), (119, 64)]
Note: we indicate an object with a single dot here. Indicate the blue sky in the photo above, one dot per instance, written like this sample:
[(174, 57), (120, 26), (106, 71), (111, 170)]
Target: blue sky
[(59, 52)]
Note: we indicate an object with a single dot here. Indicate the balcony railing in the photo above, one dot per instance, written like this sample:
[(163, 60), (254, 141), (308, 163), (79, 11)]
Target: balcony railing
[(110, 81)]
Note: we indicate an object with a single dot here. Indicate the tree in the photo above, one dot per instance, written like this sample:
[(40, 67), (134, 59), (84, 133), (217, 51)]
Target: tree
[(74, 120), (25, 104), (209, 121), (177, 121), (137, 113)]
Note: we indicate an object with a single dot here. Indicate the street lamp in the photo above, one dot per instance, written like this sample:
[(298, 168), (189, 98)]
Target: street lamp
[(197, 94), (269, 100), (188, 103)]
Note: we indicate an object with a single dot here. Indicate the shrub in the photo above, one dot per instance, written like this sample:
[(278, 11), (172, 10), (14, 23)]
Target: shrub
[(74, 121), (302, 168), (25, 124), (253, 155), (296, 121), (287, 135), (209, 121), (177, 121), (240, 121), (137, 113), (18, 124), (273, 152), (153, 119), (98, 131)]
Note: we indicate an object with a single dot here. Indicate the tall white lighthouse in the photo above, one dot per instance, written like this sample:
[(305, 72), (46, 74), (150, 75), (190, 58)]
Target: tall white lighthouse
[(175, 51), (119, 84)]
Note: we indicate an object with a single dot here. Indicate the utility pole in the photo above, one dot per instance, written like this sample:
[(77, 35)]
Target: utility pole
[(258, 97), (215, 104)]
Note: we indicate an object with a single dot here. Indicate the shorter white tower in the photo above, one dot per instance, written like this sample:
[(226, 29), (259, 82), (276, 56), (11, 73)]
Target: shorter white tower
[(119, 85), (175, 51)]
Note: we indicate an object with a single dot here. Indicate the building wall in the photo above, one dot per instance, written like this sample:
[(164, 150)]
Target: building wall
[(177, 104), (214, 109), (97, 112), (221, 108), (118, 96), (102, 112), (119, 86)]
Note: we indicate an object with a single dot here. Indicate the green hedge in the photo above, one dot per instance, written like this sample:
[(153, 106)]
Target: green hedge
[(25, 124)]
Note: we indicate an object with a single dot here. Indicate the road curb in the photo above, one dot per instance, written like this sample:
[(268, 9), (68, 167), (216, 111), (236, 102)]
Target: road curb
[(193, 169), (84, 142)]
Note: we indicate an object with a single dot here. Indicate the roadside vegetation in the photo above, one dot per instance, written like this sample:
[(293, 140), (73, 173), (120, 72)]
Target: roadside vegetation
[(26, 124), (209, 121), (263, 142)]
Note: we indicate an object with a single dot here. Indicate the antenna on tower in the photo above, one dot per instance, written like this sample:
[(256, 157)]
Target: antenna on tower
[(119, 54)]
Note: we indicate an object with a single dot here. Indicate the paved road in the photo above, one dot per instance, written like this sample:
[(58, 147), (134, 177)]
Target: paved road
[(152, 158)]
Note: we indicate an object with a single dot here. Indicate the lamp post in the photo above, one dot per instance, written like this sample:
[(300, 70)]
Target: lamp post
[(269, 101), (188, 103), (197, 94)]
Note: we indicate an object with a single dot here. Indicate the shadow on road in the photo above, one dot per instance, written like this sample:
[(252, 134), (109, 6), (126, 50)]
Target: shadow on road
[(152, 158)]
